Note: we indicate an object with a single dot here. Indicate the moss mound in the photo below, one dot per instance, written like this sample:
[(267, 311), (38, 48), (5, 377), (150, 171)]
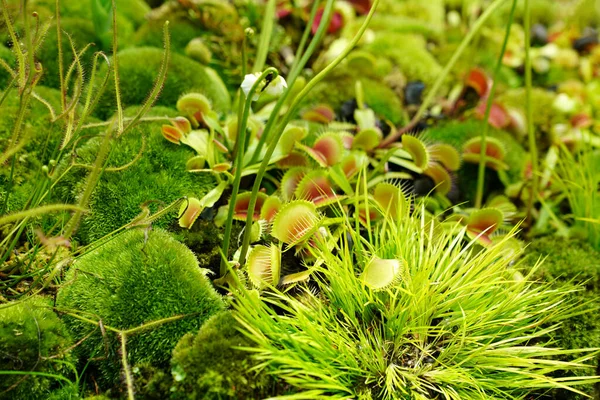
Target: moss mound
[(569, 262), (410, 54), (131, 281), (31, 333), (184, 75), (158, 176), (206, 365), (181, 30), (340, 87), (457, 133)]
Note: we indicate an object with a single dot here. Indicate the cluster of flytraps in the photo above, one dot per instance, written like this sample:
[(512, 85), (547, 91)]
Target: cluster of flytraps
[(340, 172)]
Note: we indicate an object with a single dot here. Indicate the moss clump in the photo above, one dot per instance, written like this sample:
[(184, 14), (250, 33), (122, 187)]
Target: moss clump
[(181, 30), (541, 104), (129, 282), (30, 333), (206, 366), (566, 261), (184, 75), (569, 262), (340, 87), (159, 175), (457, 133), (410, 54)]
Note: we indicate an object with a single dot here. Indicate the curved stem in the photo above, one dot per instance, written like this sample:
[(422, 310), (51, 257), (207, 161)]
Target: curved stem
[(294, 73), (241, 139), (529, 111), (265, 36), (287, 118), (488, 108), (442, 77)]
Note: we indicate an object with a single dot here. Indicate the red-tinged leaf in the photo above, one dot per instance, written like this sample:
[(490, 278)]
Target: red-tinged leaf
[(290, 181), (499, 117), (220, 146), (485, 220), (295, 222), (367, 139), (336, 23), (242, 202), (172, 134), (294, 159), (478, 80), (316, 187), (183, 124), (445, 154), (391, 199), (417, 150), (322, 113), (270, 208), (189, 212), (264, 266), (330, 147), (441, 178)]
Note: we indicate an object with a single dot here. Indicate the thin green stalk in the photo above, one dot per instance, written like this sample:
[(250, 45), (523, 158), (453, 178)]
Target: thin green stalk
[(240, 112), (116, 70), (444, 74), (304, 39), (242, 133), (488, 108), (92, 179), (61, 66), (126, 370), (265, 36), (294, 73), (288, 116), (529, 111)]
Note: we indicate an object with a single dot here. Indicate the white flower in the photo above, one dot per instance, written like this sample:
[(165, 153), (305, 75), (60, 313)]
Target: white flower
[(247, 84), (277, 86)]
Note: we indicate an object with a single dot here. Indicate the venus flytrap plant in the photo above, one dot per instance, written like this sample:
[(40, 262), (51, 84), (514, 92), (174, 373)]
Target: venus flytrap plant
[(412, 312), (285, 120)]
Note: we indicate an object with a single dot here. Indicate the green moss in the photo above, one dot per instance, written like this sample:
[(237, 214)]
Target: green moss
[(184, 75), (130, 14), (159, 175), (181, 30), (67, 392), (457, 133), (570, 262), (206, 366), (30, 332), (566, 261), (130, 281), (541, 104), (340, 87), (410, 54)]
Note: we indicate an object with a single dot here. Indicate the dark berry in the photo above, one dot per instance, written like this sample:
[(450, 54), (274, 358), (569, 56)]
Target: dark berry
[(347, 111), (384, 127), (586, 42), (539, 35), (423, 185), (413, 92)]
